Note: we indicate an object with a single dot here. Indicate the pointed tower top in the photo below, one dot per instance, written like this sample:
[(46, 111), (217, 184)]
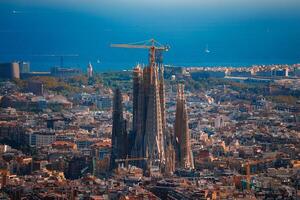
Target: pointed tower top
[(137, 67), (90, 65), (90, 70), (180, 91)]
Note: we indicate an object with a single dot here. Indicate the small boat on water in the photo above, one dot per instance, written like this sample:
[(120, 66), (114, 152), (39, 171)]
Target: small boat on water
[(206, 49)]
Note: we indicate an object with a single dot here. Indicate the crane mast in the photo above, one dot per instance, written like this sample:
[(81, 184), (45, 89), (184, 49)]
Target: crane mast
[(247, 166)]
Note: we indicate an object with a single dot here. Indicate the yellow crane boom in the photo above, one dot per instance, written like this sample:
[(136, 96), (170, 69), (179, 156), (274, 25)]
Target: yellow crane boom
[(151, 44), (131, 46)]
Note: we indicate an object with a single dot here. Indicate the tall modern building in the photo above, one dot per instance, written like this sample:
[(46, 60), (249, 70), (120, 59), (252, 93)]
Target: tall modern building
[(184, 156), (90, 70), (148, 116), (24, 67), (119, 131), (9, 70)]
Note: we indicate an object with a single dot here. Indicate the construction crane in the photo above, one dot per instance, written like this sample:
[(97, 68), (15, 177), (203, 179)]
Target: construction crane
[(155, 49), (60, 56), (248, 164)]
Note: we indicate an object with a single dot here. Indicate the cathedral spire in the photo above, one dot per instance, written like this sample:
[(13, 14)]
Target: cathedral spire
[(184, 157), (119, 132), (148, 119)]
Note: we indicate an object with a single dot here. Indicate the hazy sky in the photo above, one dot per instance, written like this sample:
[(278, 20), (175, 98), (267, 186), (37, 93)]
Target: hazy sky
[(159, 12), (158, 3), (109, 7)]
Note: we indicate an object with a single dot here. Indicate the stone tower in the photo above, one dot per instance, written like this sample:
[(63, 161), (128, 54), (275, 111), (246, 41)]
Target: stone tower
[(148, 116), (119, 131), (184, 156)]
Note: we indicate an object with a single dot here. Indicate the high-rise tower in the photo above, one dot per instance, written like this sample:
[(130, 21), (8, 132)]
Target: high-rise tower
[(184, 156), (90, 70), (119, 131)]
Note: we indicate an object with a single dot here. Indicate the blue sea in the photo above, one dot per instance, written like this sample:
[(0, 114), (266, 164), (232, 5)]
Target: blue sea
[(234, 36)]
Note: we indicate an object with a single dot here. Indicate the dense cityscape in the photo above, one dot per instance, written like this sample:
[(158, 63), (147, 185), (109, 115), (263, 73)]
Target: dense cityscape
[(153, 132), (149, 100)]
